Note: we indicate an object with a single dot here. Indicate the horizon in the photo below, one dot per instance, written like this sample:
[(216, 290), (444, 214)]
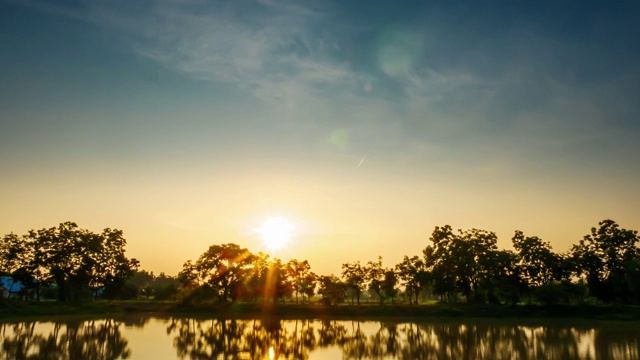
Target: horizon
[(191, 124)]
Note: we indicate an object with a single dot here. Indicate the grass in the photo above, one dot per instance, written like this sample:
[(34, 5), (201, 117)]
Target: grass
[(45, 309)]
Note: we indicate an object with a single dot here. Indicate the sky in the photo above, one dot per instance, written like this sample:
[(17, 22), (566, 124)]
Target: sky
[(366, 124)]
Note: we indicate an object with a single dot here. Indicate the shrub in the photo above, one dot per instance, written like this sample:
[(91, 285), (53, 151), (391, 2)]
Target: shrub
[(551, 293)]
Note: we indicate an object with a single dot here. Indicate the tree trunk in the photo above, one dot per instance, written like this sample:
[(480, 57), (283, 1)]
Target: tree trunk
[(10, 291)]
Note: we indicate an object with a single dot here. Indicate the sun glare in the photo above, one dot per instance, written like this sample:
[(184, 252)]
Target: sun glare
[(276, 232)]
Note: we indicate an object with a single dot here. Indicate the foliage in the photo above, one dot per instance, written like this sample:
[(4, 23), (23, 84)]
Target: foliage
[(79, 262), (303, 281), (75, 264), (536, 261), (551, 293), (606, 257), (354, 276), (161, 287), (332, 289), (376, 278), (413, 275), (389, 284), (222, 267), (232, 273), (462, 262)]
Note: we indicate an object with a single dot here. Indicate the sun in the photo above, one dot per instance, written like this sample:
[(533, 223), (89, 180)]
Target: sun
[(276, 232)]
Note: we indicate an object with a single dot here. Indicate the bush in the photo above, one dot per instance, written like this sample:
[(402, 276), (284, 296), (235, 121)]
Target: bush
[(551, 293), (204, 293), (166, 292), (128, 291), (479, 297)]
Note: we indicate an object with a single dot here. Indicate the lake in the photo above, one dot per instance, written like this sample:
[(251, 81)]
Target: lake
[(148, 337)]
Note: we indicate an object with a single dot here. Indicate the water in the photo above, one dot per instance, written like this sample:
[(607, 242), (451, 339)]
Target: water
[(136, 337)]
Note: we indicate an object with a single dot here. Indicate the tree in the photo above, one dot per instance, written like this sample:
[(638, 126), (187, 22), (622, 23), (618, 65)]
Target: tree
[(536, 261), (354, 276), (222, 267), (460, 263), (113, 268), (12, 258), (257, 279), (413, 275), (146, 291), (389, 284), (331, 289), (308, 285), (32, 272), (188, 276), (280, 282), (165, 292), (482, 250), (504, 280), (376, 278), (297, 272), (142, 278), (440, 263), (81, 263), (633, 269), (604, 257)]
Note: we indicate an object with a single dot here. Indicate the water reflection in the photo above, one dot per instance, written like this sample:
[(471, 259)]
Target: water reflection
[(302, 339), (296, 339), (94, 339)]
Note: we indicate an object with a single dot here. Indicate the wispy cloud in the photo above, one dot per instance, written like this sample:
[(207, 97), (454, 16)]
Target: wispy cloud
[(412, 90), (269, 48)]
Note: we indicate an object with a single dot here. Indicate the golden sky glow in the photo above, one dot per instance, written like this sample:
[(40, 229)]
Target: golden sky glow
[(341, 215)]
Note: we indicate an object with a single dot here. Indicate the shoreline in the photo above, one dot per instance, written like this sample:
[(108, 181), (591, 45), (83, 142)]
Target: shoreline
[(20, 311)]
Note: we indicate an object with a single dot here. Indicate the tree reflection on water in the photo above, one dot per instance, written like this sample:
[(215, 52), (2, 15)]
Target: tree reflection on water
[(299, 339), (94, 339), (296, 339)]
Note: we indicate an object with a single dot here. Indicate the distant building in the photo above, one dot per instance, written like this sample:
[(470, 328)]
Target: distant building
[(7, 284)]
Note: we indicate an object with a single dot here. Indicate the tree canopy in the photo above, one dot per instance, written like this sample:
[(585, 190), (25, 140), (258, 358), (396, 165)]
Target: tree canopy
[(80, 263), (456, 265)]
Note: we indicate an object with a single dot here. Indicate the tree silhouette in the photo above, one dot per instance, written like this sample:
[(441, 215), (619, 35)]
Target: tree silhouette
[(222, 267), (465, 263), (80, 263), (299, 273), (331, 289), (378, 279), (535, 260), (413, 275), (12, 254), (354, 276), (604, 257), (389, 284)]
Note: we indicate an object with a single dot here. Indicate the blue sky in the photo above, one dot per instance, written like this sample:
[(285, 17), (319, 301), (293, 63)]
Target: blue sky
[(147, 115)]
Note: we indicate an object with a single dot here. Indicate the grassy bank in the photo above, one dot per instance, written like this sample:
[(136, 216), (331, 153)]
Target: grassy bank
[(48, 309), (244, 310)]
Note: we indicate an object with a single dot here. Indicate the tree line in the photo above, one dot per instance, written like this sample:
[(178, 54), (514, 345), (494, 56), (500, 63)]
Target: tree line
[(455, 266)]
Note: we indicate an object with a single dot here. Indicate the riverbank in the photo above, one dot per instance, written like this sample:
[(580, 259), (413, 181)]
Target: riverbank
[(314, 311)]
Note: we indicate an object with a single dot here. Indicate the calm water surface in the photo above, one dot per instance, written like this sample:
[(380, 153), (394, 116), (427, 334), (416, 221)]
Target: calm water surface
[(197, 338)]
